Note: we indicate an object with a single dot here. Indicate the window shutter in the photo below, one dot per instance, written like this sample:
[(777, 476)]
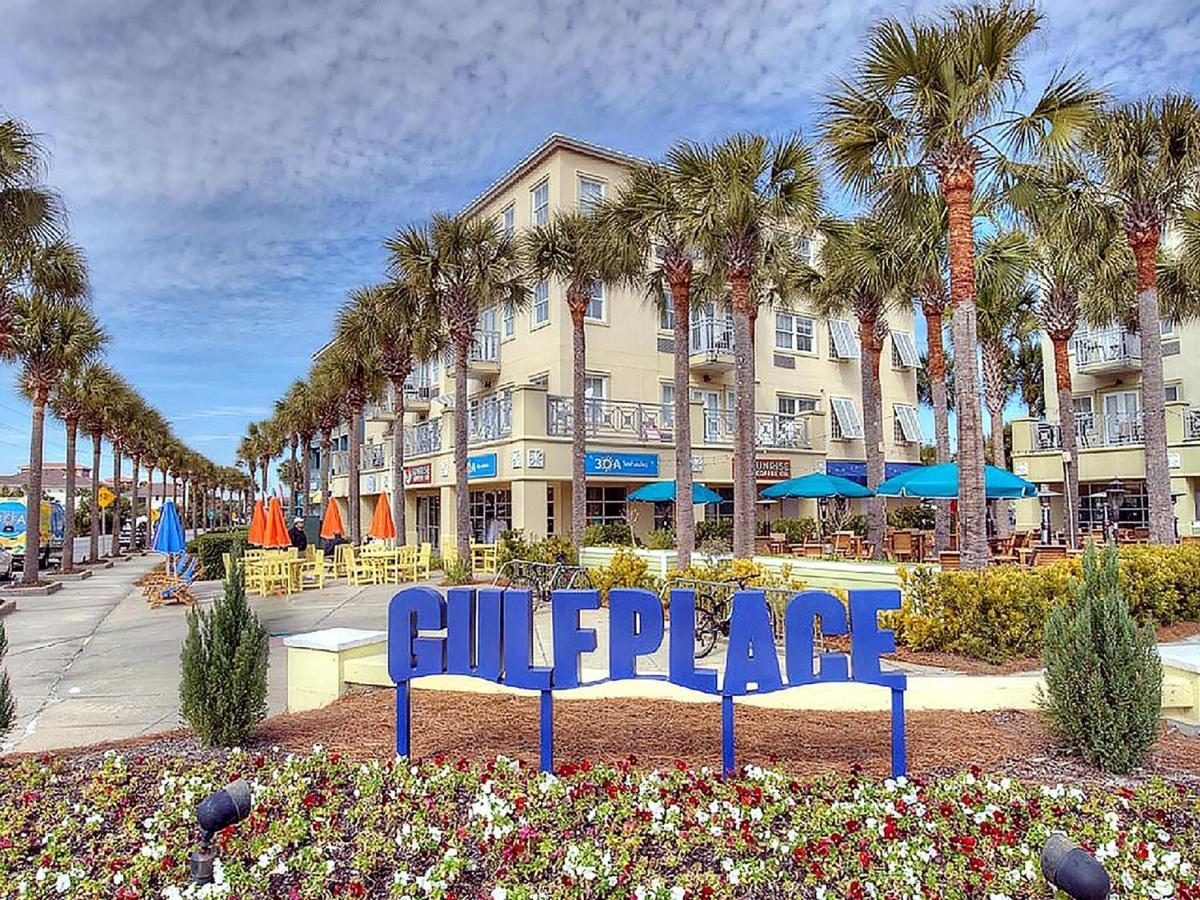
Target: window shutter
[(847, 416)]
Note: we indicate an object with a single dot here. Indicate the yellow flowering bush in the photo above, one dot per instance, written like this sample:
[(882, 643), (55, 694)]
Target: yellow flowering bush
[(627, 570)]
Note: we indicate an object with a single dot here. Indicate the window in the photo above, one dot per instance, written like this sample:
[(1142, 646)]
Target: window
[(1173, 392), (843, 340), (904, 351), (508, 220), (549, 509), (606, 505), (666, 315), (844, 424), (591, 193), (794, 332), (491, 513), (594, 387), (1085, 421), (541, 380), (595, 307), (803, 247), (510, 320), (541, 304), (541, 203), (667, 398), (723, 511), (907, 427), (792, 406), (1166, 326), (1095, 509), (429, 519)]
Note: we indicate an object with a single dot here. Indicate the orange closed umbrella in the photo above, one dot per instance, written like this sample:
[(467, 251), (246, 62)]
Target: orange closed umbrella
[(258, 524), (276, 532), (382, 526), (331, 524)]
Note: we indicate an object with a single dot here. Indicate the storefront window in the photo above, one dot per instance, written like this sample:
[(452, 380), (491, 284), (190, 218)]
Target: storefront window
[(429, 520), (549, 509), (606, 505), (491, 513), (1134, 511), (722, 510)]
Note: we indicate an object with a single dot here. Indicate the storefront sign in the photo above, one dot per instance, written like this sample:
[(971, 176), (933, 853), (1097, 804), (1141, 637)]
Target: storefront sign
[(633, 465), (772, 469), (489, 633), (422, 474), (482, 466)]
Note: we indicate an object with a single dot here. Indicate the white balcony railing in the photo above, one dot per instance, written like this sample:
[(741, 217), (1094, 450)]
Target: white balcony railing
[(418, 390), (485, 348), (489, 418), (640, 422), (773, 430), (712, 336), (1104, 431), (1106, 347), (423, 438)]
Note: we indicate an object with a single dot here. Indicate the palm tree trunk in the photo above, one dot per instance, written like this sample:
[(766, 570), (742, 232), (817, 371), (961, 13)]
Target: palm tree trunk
[(994, 353), (67, 560), (941, 419), (114, 548), (33, 496), (958, 185), (1154, 424), (580, 416), (266, 475), (398, 459), (872, 431), (743, 422), (326, 450), (94, 503), (133, 504), (355, 466), (306, 475), (462, 500), (685, 510), (293, 480)]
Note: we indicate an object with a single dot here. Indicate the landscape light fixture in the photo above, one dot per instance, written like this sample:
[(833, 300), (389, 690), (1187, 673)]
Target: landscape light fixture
[(1074, 871), (1115, 493), (217, 812)]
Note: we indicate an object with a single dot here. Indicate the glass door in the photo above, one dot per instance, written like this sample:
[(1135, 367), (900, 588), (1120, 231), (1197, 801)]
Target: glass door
[(1122, 421)]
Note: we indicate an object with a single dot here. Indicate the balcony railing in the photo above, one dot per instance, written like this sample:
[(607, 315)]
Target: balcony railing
[(374, 457), (1191, 425), (643, 422), (774, 430), (485, 348), (418, 390), (1107, 348), (1109, 431), (489, 418), (423, 438), (712, 336)]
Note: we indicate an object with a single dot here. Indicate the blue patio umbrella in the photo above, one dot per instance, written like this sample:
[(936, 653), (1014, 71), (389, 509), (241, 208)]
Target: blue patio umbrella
[(168, 537), (664, 492), (816, 485), (941, 481)]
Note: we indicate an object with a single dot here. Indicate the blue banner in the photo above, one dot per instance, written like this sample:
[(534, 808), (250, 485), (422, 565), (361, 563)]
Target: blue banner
[(857, 471), (482, 466), (633, 465)]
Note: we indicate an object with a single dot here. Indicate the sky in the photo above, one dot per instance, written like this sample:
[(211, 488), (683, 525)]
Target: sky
[(232, 168)]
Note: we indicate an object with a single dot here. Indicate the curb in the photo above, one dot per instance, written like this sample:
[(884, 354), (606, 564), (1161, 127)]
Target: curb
[(44, 590), (69, 576)]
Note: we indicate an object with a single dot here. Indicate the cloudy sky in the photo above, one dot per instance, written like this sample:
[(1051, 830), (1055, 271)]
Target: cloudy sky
[(232, 167)]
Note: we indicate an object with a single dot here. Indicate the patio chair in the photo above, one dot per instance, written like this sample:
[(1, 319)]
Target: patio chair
[(1045, 555), (483, 557), (902, 548), (424, 558), (179, 590), (358, 570), (312, 573), (950, 560), (339, 560), (843, 544)]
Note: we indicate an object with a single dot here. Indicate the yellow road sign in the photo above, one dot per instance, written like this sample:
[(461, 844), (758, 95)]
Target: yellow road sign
[(106, 497)]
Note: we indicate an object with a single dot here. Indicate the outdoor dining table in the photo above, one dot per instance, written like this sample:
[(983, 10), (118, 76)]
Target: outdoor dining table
[(385, 562)]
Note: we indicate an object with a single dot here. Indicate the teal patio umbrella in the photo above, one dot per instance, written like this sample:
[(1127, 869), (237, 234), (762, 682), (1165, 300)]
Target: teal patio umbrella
[(664, 492), (941, 482), (816, 485)]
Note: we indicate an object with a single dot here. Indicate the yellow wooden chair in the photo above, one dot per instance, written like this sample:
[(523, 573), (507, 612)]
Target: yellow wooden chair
[(340, 570), (360, 571), (403, 567), (483, 558), (312, 573), (422, 563)]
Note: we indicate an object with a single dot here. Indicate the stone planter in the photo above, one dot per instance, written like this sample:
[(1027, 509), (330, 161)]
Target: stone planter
[(68, 576), (42, 590)]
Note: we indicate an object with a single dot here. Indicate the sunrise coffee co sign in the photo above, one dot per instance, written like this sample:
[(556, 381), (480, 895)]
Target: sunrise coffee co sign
[(489, 635)]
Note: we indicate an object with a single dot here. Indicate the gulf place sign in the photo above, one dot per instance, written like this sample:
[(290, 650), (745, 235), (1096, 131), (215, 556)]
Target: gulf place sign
[(489, 635)]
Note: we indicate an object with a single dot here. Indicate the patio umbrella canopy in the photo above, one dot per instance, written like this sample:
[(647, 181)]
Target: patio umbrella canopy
[(168, 537), (816, 485), (382, 526), (258, 524), (276, 532), (941, 481), (664, 492), (331, 524)]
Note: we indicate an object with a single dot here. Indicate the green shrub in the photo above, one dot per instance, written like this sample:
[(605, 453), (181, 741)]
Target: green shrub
[(617, 534), (712, 531), (457, 571), (626, 569), (210, 546), (660, 539), (8, 711), (798, 531), (920, 516), (515, 545), (223, 680), (1103, 691)]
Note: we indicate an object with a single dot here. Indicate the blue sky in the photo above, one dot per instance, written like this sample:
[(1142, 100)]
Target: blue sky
[(232, 167)]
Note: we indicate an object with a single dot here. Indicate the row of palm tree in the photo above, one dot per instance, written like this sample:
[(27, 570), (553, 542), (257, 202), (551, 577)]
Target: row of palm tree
[(980, 203), (49, 331)]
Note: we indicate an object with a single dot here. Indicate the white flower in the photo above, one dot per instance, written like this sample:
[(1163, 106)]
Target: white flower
[(62, 884), (678, 893), (499, 893)]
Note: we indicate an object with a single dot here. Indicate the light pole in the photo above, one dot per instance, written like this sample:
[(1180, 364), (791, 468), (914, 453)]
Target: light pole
[(1116, 494)]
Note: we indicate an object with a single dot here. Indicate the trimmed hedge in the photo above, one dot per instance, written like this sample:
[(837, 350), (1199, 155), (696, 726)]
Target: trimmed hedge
[(1000, 613), (210, 545)]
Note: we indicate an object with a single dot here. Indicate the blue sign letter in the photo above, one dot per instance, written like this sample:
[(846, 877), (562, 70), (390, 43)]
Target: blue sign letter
[(570, 641), (867, 642), (683, 646), (635, 628), (473, 632), (802, 612), (519, 670), (751, 658), (410, 611)]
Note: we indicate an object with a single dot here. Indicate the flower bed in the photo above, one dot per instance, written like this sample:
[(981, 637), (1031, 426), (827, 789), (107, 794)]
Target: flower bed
[(327, 826)]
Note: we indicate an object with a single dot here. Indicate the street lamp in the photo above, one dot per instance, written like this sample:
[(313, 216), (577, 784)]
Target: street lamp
[(1044, 494), (1116, 493)]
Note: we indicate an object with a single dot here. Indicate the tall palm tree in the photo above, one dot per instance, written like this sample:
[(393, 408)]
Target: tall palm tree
[(100, 383), (740, 198), (48, 340), (328, 403), (578, 250), (124, 405), (927, 108), (463, 265), (1029, 375), (1144, 162), (650, 212), (70, 401), (860, 265)]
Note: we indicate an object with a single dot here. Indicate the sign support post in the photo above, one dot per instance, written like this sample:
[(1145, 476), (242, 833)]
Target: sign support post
[(547, 731), (728, 764)]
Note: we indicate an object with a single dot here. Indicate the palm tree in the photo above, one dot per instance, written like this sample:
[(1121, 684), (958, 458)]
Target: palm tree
[(328, 409), (740, 199), (48, 340), (100, 383), (123, 408), (861, 271), (577, 249), (1029, 375), (649, 211), (463, 265), (69, 402), (1144, 162), (917, 118)]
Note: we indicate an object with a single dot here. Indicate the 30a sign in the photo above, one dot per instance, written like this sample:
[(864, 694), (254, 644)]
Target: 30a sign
[(489, 633)]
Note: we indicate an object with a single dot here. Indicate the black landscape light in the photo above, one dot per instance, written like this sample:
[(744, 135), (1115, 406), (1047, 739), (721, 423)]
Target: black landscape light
[(1073, 870), (217, 812)]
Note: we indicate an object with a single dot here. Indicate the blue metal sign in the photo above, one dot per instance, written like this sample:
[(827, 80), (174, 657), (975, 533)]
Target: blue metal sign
[(856, 471), (489, 634), (482, 466), (633, 465)]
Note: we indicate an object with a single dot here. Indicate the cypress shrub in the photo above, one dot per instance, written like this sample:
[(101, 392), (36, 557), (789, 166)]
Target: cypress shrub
[(8, 710), (1103, 694), (223, 677)]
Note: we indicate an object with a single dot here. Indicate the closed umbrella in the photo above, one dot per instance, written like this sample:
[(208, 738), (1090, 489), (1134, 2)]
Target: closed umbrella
[(168, 536), (941, 481), (276, 532), (664, 492), (331, 524), (382, 526), (258, 524), (816, 485)]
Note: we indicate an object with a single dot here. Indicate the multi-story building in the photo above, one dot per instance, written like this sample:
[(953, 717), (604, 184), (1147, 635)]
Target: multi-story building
[(521, 420), (1107, 396)]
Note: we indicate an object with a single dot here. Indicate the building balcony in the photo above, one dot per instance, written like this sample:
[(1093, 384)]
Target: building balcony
[(712, 344), (484, 356), (774, 431), (1092, 432), (489, 418), (417, 394), (1107, 351), (423, 438), (628, 419)]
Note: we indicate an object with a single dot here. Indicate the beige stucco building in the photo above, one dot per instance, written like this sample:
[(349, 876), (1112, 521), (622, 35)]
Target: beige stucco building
[(807, 391)]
